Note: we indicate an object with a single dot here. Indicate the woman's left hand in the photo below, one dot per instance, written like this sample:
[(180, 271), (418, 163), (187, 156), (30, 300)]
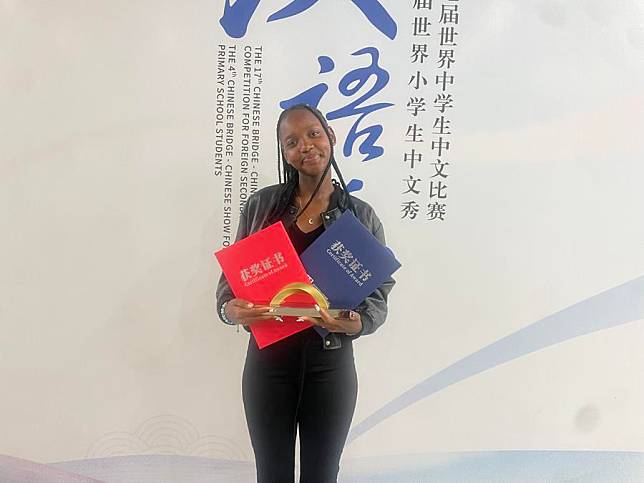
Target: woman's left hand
[(351, 324)]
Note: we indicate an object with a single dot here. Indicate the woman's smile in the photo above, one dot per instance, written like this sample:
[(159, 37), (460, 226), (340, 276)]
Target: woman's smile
[(311, 157)]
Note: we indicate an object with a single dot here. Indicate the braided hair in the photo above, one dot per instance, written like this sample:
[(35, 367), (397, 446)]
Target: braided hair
[(288, 175)]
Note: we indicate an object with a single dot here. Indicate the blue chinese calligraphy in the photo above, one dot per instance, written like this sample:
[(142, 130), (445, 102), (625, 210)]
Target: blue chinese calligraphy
[(237, 16), (350, 86)]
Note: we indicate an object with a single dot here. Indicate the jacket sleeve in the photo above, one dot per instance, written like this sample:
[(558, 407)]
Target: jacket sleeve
[(373, 311), (224, 293)]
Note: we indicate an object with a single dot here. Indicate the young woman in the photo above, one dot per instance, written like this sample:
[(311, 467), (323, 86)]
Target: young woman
[(305, 382)]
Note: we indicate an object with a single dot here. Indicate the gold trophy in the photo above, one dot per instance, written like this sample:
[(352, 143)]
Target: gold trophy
[(314, 292)]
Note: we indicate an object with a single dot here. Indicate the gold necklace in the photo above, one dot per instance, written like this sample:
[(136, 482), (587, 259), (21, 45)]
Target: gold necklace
[(299, 203)]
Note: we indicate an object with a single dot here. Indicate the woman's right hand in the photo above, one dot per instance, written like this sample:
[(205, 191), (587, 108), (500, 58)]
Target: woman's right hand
[(244, 312)]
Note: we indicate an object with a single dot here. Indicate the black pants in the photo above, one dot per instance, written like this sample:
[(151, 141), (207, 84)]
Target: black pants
[(294, 385)]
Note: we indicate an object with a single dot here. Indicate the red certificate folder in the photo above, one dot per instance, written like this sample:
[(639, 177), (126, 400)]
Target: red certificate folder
[(256, 268)]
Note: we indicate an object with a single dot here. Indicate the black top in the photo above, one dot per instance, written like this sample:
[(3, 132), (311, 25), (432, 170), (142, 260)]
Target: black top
[(301, 240)]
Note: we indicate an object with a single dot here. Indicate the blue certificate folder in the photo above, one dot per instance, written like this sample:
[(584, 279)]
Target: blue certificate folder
[(347, 263)]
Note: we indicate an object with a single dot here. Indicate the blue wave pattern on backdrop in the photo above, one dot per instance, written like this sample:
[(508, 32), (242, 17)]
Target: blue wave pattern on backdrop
[(616, 306), (484, 466)]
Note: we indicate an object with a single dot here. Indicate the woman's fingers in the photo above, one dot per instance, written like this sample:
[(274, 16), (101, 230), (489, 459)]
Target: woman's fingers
[(244, 312), (259, 318), (258, 313), (330, 323), (350, 323), (310, 320), (325, 315)]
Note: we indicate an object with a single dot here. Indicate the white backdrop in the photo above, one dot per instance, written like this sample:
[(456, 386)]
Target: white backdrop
[(112, 207)]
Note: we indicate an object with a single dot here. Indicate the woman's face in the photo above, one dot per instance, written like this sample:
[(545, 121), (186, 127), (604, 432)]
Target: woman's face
[(305, 145)]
